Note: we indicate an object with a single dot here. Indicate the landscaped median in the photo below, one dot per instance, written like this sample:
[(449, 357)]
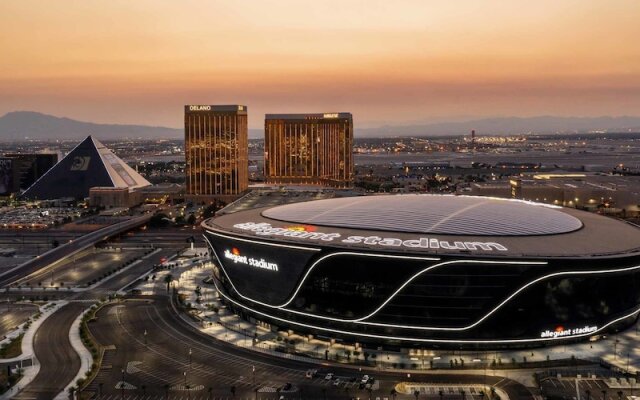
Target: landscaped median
[(19, 349), (88, 349)]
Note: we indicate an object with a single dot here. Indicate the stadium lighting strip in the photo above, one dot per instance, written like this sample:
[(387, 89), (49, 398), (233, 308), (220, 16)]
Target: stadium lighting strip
[(361, 320), (308, 271), (422, 339)]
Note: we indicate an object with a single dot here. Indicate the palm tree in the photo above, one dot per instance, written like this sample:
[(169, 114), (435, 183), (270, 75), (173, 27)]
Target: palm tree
[(168, 279)]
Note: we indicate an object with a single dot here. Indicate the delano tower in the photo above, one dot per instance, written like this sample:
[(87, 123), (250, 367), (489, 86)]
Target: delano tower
[(216, 146), (309, 149)]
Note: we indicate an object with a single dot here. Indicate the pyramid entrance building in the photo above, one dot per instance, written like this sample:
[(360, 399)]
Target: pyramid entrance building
[(90, 165)]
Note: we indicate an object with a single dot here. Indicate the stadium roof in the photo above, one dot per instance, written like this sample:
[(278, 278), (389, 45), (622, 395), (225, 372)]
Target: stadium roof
[(89, 164), (447, 215), (436, 224)]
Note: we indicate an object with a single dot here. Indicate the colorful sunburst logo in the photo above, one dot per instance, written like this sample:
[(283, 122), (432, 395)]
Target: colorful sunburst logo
[(301, 228)]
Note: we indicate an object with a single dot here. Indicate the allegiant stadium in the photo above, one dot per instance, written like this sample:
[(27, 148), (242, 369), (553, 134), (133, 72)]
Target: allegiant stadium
[(420, 270)]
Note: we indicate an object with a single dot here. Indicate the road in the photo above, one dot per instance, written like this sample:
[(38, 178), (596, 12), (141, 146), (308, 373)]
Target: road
[(160, 362), (59, 363), (68, 249)]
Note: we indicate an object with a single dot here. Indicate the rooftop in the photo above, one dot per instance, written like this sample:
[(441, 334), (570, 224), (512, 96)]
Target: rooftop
[(443, 214), (520, 229), (331, 115)]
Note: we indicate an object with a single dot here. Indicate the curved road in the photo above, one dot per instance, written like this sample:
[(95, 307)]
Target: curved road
[(173, 355), (59, 363)]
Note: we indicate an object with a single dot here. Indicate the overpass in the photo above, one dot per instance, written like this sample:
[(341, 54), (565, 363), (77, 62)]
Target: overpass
[(70, 248)]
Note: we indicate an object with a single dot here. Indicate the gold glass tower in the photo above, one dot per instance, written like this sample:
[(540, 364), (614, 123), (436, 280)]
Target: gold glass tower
[(309, 149), (216, 147)]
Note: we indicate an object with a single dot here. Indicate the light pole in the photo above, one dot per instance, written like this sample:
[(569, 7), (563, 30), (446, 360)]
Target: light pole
[(190, 352), (253, 374), (253, 379), (186, 385), (122, 385), (145, 337), (627, 362)]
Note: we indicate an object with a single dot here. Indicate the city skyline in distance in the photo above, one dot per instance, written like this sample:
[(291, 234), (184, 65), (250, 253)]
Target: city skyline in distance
[(389, 64)]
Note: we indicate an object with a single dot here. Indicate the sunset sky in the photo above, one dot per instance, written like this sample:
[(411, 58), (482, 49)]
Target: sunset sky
[(387, 62)]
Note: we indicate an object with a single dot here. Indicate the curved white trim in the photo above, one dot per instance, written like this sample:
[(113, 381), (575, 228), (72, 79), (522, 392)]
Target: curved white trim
[(361, 320), (422, 339), (504, 301), (295, 293), (264, 243), (304, 278)]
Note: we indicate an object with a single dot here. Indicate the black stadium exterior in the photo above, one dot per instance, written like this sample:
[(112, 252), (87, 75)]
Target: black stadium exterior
[(429, 270)]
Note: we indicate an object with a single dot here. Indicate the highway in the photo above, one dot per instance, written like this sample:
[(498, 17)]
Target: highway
[(69, 248)]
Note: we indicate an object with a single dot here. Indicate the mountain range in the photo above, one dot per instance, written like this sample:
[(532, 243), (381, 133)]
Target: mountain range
[(19, 125)]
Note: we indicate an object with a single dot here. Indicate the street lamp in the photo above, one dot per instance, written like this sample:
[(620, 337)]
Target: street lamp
[(190, 352), (145, 337), (253, 373), (186, 385), (122, 385)]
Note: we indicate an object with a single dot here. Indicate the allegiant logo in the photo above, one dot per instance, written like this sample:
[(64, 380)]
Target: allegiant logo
[(560, 331), (235, 256), (307, 232)]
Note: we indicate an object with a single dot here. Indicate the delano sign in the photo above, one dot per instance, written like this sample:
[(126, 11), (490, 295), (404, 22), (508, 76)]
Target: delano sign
[(199, 108)]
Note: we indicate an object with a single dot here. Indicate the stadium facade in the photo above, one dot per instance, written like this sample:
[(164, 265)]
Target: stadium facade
[(426, 270)]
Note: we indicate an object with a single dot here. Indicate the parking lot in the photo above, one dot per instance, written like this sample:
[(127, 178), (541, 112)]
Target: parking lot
[(589, 389), (36, 218)]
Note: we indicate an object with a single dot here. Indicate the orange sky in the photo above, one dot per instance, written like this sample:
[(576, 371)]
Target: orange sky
[(395, 62)]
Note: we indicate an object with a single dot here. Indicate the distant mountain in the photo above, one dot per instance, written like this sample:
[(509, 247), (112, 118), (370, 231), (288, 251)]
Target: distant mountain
[(509, 126), (20, 124), (33, 125)]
